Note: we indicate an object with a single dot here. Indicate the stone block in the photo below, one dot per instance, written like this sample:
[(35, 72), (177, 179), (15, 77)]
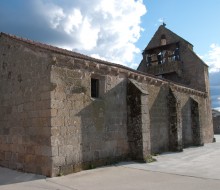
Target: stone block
[(30, 149), (66, 169), (65, 150), (56, 131), (144, 109), (61, 96), (33, 130), (40, 140), (2, 155), (96, 155), (87, 156), (43, 150), (21, 108), (57, 140), (53, 112), (8, 155), (68, 104), (70, 159), (73, 139), (33, 114), (45, 131), (43, 161), (45, 95), (63, 112), (5, 131), (58, 160), (40, 122), (57, 104), (57, 121), (44, 113), (41, 105), (17, 139), (54, 151), (29, 159)]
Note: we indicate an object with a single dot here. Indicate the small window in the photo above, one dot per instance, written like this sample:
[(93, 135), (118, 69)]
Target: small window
[(163, 40), (94, 88)]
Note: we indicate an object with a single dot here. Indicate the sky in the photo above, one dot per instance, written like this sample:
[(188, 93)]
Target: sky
[(118, 30)]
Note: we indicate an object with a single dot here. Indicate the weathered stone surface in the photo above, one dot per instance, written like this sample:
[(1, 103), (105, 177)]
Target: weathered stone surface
[(25, 89), (50, 124)]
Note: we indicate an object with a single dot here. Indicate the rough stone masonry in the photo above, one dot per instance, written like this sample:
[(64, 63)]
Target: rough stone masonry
[(61, 111)]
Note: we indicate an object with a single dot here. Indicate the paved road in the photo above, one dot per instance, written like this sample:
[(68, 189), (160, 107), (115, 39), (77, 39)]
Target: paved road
[(194, 168)]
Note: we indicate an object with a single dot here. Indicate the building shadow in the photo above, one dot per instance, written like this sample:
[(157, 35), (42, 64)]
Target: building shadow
[(9, 176), (186, 122), (104, 128), (159, 125)]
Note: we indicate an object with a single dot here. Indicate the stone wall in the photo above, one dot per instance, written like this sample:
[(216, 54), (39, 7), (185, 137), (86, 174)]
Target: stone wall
[(205, 126), (24, 108), (50, 124), (158, 117), (87, 132), (160, 113), (195, 71)]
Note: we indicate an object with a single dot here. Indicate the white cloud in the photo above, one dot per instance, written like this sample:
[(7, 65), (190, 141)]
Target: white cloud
[(73, 21), (51, 12), (107, 29), (217, 108), (97, 56), (212, 58)]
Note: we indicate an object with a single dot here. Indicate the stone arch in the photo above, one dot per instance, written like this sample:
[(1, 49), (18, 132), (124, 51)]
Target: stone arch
[(175, 123)]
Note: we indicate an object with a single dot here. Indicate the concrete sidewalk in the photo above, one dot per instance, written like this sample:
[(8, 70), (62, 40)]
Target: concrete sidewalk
[(194, 168), (202, 162)]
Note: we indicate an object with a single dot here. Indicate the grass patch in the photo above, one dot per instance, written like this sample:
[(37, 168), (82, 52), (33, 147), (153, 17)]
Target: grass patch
[(149, 158)]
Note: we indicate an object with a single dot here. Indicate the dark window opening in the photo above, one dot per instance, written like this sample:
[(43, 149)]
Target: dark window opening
[(163, 36), (163, 40), (94, 88)]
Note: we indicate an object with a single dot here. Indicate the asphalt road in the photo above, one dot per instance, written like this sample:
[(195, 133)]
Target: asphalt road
[(194, 168)]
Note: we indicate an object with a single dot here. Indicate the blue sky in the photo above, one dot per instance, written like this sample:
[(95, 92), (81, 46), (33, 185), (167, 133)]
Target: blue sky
[(194, 20), (115, 30), (197, 22)]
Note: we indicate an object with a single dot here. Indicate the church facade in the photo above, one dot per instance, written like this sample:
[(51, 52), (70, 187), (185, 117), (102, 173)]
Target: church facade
[(61, 111)]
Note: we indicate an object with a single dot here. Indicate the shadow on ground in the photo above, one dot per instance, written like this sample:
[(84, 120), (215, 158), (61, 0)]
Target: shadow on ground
[(201, 162), (8, 176)]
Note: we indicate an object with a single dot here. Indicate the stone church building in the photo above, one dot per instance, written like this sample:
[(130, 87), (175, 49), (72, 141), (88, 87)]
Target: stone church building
[(61, 111)]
